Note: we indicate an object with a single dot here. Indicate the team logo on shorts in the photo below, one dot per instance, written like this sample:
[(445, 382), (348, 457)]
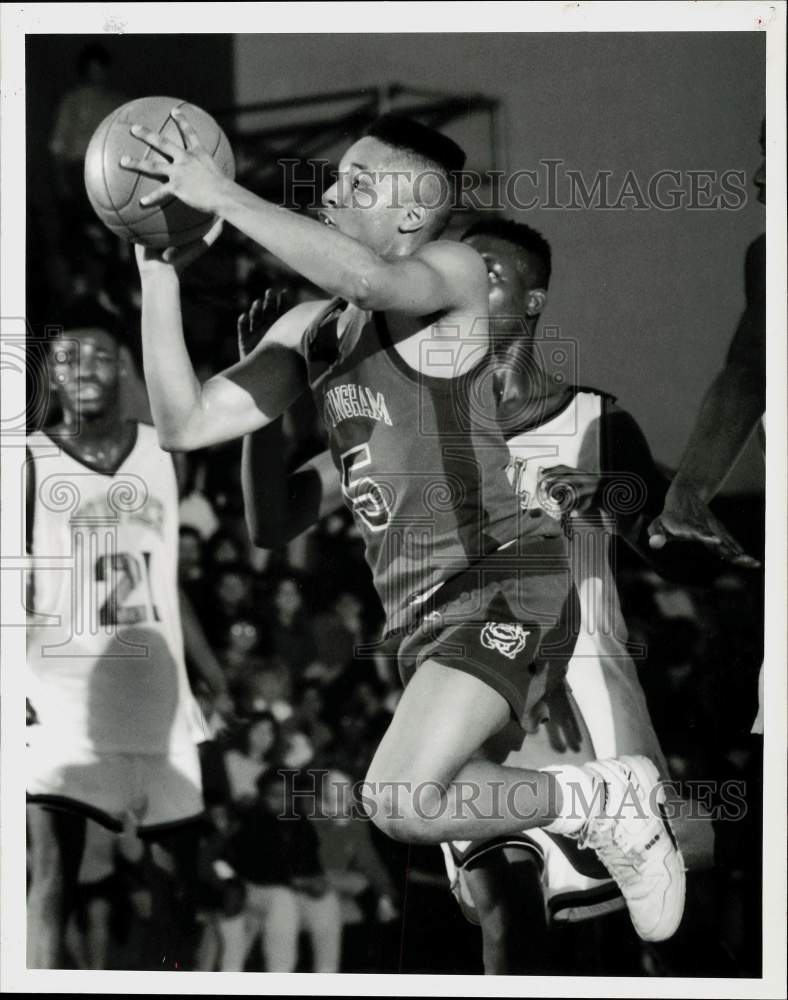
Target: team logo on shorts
[(506, 639)]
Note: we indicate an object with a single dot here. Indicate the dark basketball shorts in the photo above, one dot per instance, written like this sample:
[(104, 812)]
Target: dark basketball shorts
[(511, 621)]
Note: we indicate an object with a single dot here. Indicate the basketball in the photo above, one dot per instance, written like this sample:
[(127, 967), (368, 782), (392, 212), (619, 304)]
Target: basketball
[(115, 193)]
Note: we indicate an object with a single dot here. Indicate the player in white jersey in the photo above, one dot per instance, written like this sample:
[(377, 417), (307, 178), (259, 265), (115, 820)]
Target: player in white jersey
[(114, 731), (573, 452)]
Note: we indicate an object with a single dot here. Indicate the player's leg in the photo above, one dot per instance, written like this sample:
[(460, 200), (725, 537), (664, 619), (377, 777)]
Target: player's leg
[(173, 878), (423, 786), (57, 842), (172, 823), (422, 783), (506, 887)]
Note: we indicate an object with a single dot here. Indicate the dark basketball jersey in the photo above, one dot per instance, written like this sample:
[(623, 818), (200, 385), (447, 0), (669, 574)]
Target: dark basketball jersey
[(422, 461)]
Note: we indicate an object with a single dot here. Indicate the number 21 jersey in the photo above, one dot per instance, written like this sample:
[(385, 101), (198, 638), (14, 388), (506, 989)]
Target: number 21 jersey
[(105, 648)]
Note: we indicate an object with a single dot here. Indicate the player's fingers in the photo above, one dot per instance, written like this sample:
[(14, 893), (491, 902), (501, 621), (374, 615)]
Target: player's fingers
[(157, 196), (150, 166), (157, 141), (190, 137), (213, 233), (242, 325)]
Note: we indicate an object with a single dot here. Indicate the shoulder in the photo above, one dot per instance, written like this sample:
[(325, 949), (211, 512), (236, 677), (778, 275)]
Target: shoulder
[(452, 257)]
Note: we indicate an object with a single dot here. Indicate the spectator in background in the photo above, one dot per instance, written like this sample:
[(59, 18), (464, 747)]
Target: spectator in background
[(191, 572), (290, 629), (310, 718), (195, 509), (79, 113), (222, 899), (230, 600), (354, 869), (258, 750)]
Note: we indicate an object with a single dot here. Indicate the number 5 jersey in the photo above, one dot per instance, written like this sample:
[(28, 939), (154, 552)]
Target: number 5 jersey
[(105, 648)]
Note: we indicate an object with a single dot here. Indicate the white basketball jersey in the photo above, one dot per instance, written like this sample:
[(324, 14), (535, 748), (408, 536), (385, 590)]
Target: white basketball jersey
[(602, 674), (105, 648)]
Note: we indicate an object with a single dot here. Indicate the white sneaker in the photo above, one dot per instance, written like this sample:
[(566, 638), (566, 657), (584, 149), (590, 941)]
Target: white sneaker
[(633, 839)]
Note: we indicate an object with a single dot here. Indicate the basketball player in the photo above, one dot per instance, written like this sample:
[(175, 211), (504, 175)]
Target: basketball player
[(397, 363), (114, 722), (557, 429)]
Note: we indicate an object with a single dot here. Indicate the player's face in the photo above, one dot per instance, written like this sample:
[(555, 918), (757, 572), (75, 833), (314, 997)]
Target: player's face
[(368, 199), (507, 278), (85, 371)]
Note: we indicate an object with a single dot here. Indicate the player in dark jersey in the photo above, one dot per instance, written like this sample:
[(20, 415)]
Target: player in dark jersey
[(478, 597), (553, 427)]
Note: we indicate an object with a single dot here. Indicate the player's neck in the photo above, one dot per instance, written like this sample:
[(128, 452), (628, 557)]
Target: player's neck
[(525, 392), (100, 440)]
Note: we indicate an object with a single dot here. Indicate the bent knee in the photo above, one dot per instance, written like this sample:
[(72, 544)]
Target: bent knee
[(407, 812)]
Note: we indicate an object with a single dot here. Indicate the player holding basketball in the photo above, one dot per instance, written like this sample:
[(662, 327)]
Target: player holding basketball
[(114, 732), (478, 601)]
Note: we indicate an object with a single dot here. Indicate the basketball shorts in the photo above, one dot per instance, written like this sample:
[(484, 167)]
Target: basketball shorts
[(511, 621), (160, 790)]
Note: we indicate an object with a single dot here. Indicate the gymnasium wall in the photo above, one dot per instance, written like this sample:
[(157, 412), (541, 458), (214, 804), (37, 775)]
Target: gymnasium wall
[(651, 297)]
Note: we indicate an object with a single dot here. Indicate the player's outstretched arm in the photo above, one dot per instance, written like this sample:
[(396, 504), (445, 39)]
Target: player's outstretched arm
[(235, 402), (441, 277), (730, 410), (278, 506)]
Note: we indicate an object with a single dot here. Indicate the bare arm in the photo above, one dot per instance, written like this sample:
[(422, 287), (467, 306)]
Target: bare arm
[(235, 402), (730, 410), (439, 277)]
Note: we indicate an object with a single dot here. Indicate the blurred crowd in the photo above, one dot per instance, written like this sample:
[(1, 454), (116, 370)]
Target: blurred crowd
[(294, 630)]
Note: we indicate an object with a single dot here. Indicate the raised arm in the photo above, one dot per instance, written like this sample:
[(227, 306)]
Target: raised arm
[(235, 402), (440, 277)]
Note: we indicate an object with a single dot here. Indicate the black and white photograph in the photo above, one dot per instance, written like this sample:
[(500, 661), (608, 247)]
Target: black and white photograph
[(394, 499)]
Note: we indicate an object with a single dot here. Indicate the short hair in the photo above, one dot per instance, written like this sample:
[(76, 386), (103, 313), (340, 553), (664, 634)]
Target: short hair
[(85, 313), (523, 236), (421, 140)]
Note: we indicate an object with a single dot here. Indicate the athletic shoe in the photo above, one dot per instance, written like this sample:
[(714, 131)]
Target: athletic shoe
[(632, 837)]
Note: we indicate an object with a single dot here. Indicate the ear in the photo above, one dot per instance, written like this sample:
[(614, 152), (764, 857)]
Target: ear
[(414, 219), (535, 301)]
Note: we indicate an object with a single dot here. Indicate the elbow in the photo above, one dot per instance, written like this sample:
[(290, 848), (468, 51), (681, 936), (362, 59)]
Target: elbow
[(364, 284), (177, 439)]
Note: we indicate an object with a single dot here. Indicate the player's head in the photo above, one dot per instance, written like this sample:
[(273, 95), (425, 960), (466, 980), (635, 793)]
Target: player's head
[(395, 186), (518, 263), (760, 174), (84, 360)]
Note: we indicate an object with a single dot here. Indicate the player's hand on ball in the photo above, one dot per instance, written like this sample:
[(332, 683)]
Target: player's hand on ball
[(175, 259), (189, 173), (254, 324), (685, 517)]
